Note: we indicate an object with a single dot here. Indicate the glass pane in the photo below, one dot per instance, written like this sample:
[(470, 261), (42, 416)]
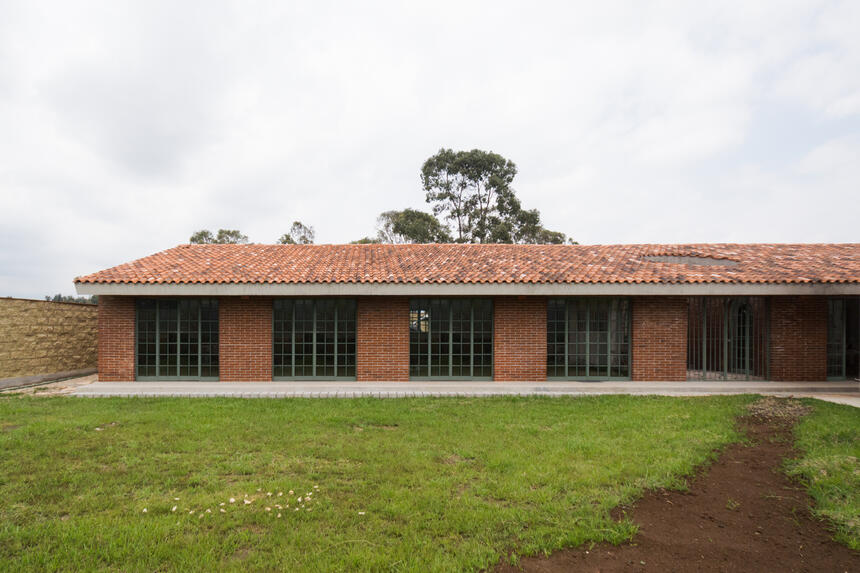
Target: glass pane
[(450, 338), (835, 338), (314, 338), (598, 338), (168, 338), (146, 341)]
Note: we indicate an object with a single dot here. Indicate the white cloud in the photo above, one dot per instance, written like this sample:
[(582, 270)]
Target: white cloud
[(124, 126)]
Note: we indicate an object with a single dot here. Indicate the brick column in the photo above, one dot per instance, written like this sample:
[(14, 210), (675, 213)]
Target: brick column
[(798, 338), (519, 339), (382, 339), (116, 338), (659, 338), (245, 339)]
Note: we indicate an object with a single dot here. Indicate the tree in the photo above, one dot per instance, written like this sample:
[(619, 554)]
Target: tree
[(224, 237), (93, 299), (366, 241), (411, 226), (300, 234), (472, 190), (465, 187)]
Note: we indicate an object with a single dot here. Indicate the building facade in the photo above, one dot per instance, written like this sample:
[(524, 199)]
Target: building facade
[(485, 312)]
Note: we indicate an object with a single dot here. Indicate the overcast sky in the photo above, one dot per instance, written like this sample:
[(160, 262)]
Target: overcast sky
[(126, 126)]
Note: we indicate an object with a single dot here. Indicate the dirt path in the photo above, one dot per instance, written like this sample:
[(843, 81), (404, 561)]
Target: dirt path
[(741, 514)]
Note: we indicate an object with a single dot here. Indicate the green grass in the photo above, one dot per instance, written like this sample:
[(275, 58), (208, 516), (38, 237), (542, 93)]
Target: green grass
[(829, 439), (445, 484)]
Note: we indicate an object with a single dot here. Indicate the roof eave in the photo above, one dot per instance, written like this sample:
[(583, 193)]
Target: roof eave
[(468, 289)]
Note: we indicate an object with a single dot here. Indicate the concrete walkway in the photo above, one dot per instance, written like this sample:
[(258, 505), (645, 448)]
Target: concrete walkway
[(846, 392)]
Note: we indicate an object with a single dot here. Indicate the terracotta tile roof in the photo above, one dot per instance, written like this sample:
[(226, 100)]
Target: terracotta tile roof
[(458, 263)]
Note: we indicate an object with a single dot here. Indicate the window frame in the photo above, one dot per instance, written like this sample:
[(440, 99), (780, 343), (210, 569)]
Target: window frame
[(590, 303), (158, 377), (428, 303), (314, 331)]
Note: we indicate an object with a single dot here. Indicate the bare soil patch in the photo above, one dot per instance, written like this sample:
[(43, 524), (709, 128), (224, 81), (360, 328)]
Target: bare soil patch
[(741, 513)]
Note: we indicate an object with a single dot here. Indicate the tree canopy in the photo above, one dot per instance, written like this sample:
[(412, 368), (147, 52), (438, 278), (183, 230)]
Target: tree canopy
[(300, 234), (223, 237), (472, 191), (411, 226)]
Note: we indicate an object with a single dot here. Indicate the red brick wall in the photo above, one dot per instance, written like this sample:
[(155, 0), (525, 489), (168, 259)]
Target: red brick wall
[(798, 338), (245, 331), (519, 339), (382, 339), (659, 338), (116, 338)]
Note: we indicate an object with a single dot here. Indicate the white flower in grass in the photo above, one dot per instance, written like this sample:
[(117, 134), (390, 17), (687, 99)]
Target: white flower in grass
[(268, 509), (291, 492), (280, 493), (208, 511), (299, 500), (175, 499), (200, 516), (360, 513), (259, 489), (222, 510), (296, 509), (232, 500), (144, 510), (268, 494), (278, 506), (308, 509), (191, 512), (247, 502), (222, 503), (279, 515), (316, 487), (173, 508)]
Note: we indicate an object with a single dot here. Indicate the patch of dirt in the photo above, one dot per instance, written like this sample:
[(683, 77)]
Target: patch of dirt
[(742, 513), (454, 459), (776, 409), (59, 388)]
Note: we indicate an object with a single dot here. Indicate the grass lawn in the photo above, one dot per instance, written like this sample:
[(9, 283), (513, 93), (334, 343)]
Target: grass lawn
[(829, 439), (397, 484)]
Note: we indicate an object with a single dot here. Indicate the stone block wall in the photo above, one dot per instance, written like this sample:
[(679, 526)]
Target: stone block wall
[(41, 337)]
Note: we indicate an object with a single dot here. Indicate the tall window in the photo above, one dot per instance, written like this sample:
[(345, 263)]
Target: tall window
[(588, 338), (451, 338), (314, 338), (843, 338), (177, 339), (727, 338)]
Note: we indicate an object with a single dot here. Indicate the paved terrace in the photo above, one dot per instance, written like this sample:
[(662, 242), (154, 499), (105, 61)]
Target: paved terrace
[(847, 392)]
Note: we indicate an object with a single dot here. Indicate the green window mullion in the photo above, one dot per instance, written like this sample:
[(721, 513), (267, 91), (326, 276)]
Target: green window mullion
[(335, 338), (566, 338), (727, 327), (178, 339), (199, 339), (704, 337), (451, 340), (314, 338), (588, 341), (608, 338), (293, 338), (429, 340), (471, 338), (747, 334), (157, 340)]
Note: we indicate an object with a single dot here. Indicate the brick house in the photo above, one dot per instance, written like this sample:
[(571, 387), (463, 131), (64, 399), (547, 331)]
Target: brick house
[(494, 312)]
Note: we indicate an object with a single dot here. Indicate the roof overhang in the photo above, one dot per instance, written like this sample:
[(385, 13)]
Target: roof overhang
[(467, 289)]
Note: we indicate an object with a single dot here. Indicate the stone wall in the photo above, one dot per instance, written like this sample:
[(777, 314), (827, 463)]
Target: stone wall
[(40, 337)]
